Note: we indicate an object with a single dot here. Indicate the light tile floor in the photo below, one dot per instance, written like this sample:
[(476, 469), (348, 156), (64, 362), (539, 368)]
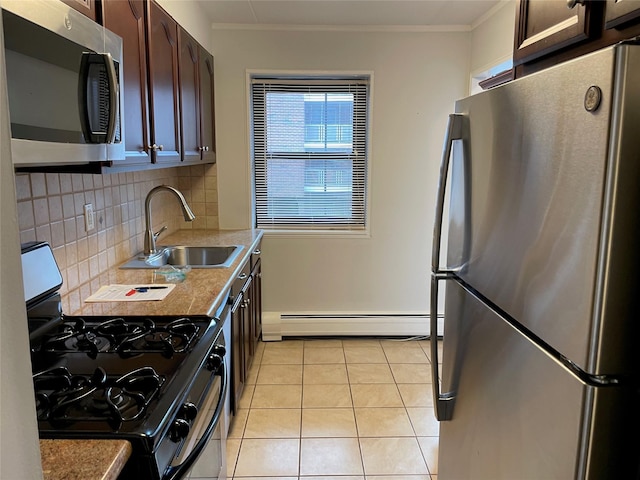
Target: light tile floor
[(345, 408)]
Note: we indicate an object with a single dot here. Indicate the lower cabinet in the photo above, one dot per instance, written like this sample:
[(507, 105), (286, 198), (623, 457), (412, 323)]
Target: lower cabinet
[(256, 305), (246, 325), (238, 314)]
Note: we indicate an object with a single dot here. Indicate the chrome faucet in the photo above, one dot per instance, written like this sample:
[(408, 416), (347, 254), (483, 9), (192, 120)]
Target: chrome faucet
[(149, 236)]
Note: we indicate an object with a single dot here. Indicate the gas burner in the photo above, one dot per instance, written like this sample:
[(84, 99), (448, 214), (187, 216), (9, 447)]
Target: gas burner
[(88, 342), (62, 397), (174, 337), (126, 337), (75, 337), (121, 329), (57, 388)]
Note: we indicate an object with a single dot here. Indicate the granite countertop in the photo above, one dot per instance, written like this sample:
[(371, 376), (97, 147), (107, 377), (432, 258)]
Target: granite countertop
[(83, 459), (200, 294)]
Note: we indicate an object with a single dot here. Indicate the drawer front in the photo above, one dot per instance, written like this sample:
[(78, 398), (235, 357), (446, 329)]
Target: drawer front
[(255, 254), (239, 282)]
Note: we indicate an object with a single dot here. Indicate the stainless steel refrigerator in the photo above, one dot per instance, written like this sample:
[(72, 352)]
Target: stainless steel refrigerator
[(541, 354)]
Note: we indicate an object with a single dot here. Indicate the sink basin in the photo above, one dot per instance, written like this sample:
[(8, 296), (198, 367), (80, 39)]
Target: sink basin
[(181, 255)]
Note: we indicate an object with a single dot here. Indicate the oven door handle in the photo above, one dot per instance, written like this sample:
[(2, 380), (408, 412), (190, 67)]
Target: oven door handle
[(176, 472)]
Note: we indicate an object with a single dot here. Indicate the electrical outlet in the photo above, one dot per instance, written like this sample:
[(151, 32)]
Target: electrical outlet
[(89, 218)]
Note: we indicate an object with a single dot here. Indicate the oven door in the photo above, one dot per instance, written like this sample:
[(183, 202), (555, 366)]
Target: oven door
[(203, 452)]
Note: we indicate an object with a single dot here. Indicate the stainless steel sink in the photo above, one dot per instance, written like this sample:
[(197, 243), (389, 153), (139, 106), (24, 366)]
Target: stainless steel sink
[(181, 255)]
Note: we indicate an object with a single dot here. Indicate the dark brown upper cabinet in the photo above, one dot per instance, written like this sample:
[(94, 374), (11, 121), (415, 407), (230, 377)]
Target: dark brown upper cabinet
[(545, 26), (189, 58), (127, 19), (168, 87), (196, 101), (621, 12), (151, 106), (86, 7), (207, 110), (164, 96), (553, 31)]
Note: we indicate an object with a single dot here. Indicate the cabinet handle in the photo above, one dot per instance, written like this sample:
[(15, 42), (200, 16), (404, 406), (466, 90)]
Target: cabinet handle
[(156, 147), (572, 3), (257, 252), (203, 149), (242, 276)]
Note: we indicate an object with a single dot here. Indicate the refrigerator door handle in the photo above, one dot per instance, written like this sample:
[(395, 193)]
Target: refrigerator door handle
[(454, 132), (443, 402)]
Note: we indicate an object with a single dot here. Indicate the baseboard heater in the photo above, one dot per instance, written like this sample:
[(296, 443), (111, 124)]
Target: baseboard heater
[(276, 325)]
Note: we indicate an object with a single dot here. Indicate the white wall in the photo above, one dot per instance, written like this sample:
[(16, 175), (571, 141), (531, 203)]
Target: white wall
[(492, 40), (19, 448), (417, 77), (191, 17)]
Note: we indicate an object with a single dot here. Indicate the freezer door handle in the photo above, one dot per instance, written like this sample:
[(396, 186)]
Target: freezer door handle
[(443, 402), (454, 132)]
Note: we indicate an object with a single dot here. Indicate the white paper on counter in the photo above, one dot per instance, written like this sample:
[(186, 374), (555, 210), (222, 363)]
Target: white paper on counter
[(118, 293)]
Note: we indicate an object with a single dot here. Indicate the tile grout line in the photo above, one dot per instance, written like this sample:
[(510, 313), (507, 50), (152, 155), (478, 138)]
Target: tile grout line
[(351, 397)]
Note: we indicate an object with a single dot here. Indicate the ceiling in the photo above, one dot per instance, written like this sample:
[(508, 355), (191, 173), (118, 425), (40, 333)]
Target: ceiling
[(407, 14)]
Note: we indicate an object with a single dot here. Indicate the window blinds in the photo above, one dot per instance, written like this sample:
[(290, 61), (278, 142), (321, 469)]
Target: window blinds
[(310, 152)]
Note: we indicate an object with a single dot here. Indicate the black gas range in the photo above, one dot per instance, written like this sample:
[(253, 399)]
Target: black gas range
[(157, 381)]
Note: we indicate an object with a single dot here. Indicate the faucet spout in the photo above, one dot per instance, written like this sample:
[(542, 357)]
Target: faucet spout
[(149, 236)]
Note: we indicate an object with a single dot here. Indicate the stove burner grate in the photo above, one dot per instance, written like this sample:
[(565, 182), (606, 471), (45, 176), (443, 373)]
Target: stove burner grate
[(127, 338), (62, 397)]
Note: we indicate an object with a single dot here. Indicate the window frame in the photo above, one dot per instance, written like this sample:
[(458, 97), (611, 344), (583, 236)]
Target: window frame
[(338, 231)]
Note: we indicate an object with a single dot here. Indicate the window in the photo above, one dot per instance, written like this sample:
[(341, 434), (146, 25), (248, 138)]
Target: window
[(309, 147)]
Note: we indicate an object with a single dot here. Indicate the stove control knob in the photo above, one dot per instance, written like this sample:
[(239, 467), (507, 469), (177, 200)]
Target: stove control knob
[(214, 362), (188, 411), (179, 430)]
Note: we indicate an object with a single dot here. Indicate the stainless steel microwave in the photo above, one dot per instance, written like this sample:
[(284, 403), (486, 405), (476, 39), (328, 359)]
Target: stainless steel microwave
[(63, 74)]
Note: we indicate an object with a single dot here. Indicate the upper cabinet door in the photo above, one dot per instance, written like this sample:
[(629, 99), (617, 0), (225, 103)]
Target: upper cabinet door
[(621, 12), (544, 26), (189, 98), (86, 7), (126, 18), (207, 102), (164, 102)]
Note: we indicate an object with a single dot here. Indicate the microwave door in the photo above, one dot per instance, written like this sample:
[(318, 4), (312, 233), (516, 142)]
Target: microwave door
[(98, 100), (64, 100)]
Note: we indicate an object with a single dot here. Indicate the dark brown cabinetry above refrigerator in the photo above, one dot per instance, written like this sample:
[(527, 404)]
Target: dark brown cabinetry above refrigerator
[(552, 31), (86, 7)]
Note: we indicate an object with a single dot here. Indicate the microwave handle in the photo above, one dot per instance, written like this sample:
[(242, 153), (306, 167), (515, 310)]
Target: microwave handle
[(114, 103), (89, 58)]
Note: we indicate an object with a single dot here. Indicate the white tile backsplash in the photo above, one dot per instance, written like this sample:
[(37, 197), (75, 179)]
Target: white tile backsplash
[(50, 208)]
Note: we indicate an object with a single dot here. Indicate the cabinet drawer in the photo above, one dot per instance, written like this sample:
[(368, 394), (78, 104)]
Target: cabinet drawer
[(239, 282), (255, 254)]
